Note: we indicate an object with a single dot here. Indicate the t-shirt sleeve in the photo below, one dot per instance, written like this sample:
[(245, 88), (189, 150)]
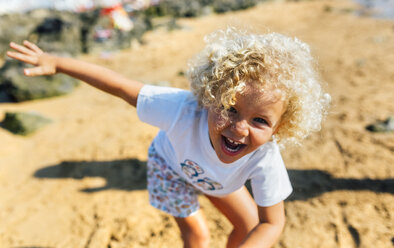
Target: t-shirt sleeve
[(160, 106), (271, 183)]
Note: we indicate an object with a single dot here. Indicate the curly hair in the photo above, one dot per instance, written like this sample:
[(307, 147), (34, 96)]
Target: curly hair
[(234, 58)]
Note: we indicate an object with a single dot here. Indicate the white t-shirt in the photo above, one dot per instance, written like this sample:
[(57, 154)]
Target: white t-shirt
[(183, 142)]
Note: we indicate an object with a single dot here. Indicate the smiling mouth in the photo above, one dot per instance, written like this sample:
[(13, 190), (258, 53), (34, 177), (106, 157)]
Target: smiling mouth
[(231, 147)]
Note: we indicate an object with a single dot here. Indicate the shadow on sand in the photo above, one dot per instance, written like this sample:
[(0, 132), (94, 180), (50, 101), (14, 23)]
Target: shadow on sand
[(131, 175), (311, 183), (118, 174)]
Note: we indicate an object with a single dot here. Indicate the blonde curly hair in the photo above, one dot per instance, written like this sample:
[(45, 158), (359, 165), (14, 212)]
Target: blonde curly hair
[(233, 58)]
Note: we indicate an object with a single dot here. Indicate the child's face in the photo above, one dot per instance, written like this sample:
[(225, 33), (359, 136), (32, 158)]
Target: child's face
[(252, 121)]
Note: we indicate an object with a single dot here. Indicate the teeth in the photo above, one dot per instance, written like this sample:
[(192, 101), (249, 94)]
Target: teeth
[(232, 150), (232, 146), (233, 142)]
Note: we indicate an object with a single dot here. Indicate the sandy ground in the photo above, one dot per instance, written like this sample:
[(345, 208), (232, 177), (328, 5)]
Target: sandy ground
[(80, 182)]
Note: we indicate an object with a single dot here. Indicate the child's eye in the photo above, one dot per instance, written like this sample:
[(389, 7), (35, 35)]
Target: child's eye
[(232, 110), (260, 120)]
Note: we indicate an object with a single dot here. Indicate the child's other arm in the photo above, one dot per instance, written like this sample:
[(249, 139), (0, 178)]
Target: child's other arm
[(267, 232), (97, 76)]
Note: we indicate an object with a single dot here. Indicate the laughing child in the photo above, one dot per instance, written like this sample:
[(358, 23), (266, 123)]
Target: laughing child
[(250, 94)]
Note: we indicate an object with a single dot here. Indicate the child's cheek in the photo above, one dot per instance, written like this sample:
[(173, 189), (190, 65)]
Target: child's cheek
[(219, 122)]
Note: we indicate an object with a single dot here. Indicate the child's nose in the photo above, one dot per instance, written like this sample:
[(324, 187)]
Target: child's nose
[(241, 127)]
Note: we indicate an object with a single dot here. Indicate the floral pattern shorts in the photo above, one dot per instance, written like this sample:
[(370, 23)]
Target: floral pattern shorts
[(167, 190)]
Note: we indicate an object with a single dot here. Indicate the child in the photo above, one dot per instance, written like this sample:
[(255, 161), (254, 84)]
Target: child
[(250, 95)]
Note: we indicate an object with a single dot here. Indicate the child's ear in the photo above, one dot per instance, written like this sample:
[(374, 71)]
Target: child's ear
[(281, 119), (277, 127)]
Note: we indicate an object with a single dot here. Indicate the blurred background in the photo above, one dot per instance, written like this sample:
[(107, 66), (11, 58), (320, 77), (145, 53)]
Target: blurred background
[(73, 159)]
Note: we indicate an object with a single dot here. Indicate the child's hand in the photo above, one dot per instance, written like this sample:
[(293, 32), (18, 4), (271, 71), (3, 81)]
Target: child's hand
[(32, 54)]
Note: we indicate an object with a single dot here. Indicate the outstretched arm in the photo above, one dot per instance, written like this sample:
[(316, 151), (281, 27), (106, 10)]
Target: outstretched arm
[(97, 76)]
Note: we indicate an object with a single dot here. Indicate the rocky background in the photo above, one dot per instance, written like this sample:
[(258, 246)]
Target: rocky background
[(80, 180), (70, 32), (92, 31)]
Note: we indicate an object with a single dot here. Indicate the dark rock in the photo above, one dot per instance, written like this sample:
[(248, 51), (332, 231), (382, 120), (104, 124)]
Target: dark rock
[(50, 29), (50, 25), (15, 27), (62, 31), (177, 8), (185, 8), (221, 6), (382, 126), (88, 20), (193, 8), (142, 24), (59, 32), (24, 123), (19, 88)]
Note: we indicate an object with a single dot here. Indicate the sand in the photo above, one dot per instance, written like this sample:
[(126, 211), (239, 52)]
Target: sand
[(79, 182)]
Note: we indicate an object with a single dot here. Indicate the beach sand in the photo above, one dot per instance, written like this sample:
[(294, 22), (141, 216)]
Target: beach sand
[(79, 182)]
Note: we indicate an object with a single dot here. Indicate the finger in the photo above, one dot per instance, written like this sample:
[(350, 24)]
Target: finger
[(21, 49), (32, 46), (22, 57)]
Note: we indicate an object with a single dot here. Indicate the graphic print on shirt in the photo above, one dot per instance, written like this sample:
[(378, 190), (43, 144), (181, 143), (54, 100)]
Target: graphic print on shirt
[(193, 170), (208, 184)]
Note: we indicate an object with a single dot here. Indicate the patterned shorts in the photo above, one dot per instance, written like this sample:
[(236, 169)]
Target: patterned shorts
[(167, 190)]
